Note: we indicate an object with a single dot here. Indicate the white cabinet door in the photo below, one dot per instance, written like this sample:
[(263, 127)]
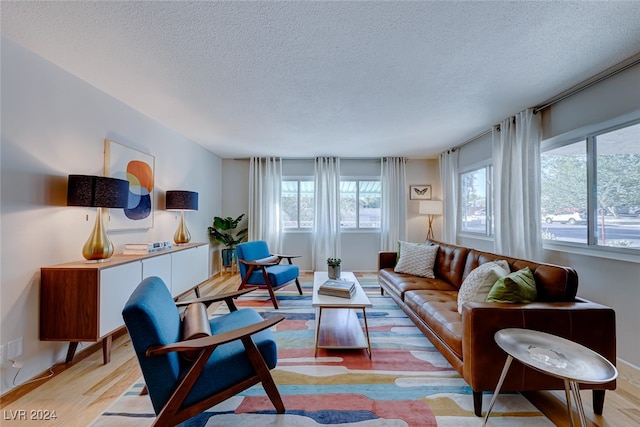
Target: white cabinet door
[(116, 285), (159, 266), (189, 268)]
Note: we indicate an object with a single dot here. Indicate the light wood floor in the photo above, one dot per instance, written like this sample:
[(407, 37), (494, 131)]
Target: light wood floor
[(82, 390)]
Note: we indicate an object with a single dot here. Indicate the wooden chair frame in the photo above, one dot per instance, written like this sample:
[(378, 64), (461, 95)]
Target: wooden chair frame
[(172, 413), (254, 265)]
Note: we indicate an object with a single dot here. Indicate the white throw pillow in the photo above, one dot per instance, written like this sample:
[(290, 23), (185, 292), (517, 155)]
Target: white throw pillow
[(417, 259), (477, 285)]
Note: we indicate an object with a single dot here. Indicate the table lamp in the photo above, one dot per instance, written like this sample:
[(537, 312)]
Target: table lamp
[(99, 192), (182, 200), (431, 208)]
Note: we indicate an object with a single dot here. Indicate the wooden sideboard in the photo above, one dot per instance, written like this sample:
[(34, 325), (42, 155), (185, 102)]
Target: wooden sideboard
[(82, 301)]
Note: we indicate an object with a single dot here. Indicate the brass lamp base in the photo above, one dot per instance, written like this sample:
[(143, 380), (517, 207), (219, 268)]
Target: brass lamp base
[(182, 235), (98, 247)]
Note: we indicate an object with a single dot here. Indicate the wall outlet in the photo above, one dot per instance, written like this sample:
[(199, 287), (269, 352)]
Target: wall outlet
[(14, 349)]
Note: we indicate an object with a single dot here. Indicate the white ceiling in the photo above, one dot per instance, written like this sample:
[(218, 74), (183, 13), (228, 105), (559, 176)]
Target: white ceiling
[(350, 79)]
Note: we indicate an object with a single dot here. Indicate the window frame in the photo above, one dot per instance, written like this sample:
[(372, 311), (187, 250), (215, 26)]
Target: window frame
[(298, 180), (589, 135), (357, 219)]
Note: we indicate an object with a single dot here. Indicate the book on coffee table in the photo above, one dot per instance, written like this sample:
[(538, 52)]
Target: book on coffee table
[(337, 288)]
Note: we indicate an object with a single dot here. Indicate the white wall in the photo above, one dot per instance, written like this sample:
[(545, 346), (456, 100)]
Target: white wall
[(53, 125), (615, 283), (423, 172), (359, 248)]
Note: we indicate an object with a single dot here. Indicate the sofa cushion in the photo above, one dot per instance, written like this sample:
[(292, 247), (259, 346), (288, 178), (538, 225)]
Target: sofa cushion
[(479, 282), (416, 259), (450, 263), (517, 287), (399, 283), (439, 311)]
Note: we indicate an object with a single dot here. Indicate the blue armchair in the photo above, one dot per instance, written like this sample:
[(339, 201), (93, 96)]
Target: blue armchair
[(237, 355), (258, 267)]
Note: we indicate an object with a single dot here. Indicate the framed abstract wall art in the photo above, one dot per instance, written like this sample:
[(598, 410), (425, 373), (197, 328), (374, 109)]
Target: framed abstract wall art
[(136, 167), (419, 192)]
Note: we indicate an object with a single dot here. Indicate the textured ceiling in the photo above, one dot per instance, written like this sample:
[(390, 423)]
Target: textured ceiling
[(351, 79)]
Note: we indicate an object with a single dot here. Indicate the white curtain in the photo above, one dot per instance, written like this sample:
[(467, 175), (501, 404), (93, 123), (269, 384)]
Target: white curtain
[(326, 225), (265, 181), (449, 177), (394, 203), (516, 186)]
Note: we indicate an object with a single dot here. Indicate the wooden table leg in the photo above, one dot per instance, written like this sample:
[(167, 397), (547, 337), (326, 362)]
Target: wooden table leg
[(366, 329), (71, 351), (319, 317), (106, 349)]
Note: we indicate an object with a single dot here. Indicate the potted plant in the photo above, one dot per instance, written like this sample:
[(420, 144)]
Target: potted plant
[(333, 269), (223, 230)]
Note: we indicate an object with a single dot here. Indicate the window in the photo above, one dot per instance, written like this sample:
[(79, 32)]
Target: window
[(360, 203), (608, 215), (563, 202), (475, 206), (297, 204)]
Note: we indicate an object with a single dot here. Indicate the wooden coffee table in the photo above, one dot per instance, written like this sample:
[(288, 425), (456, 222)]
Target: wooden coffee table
[(337, 323)]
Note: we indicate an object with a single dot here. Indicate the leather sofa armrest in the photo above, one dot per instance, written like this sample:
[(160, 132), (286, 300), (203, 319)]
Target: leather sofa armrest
[(387, 259), (581, 321)]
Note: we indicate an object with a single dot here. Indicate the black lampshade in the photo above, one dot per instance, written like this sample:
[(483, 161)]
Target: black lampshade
[(97, 191), (182, 200)]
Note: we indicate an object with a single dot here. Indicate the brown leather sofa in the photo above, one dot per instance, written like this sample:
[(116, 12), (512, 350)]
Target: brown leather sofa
[(466, 340)]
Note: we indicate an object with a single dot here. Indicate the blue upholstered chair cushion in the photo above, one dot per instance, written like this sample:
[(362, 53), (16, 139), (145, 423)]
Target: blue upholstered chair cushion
[(152, 319), (278, 274), (229, 363), (251, 251)]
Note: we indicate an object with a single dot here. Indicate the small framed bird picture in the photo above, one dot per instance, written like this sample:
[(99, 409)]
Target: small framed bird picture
[(419, 192)]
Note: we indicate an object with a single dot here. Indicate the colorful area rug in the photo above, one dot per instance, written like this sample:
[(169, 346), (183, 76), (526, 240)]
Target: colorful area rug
[(405, 383)]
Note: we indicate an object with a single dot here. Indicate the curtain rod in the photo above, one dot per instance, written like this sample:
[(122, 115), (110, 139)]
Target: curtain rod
[(633, 61), (620, 67), (486, 132), (311, 158)]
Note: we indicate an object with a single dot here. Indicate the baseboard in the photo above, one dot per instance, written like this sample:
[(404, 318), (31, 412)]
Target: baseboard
[(57, 368)]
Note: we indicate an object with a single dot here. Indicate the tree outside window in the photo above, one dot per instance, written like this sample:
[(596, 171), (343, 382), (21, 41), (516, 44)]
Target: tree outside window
[(591, 190), (296, 203), (360, 202), (473, 206)]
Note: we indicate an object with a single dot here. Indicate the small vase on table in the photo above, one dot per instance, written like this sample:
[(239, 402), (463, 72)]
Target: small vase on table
[(333, 268)]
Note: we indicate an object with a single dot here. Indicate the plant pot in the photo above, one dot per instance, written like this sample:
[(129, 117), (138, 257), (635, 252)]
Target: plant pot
[(228, 255), (334, 272)]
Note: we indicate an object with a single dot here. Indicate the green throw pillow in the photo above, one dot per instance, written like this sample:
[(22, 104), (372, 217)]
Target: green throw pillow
[(517, 287)]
